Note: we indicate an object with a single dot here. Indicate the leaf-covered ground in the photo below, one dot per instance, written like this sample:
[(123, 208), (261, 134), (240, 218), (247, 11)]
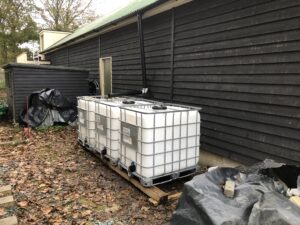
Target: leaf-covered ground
[(56, 182)]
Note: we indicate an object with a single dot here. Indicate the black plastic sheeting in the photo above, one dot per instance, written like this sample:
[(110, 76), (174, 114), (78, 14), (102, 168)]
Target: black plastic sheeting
[(257, 200), (47, 107)]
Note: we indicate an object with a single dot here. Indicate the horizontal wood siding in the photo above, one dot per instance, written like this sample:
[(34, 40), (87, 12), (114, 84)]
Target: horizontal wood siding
[(237, 59), (58, 58), (157, 42), (123, 46), (86, 55), (240, 61), (27, 80)]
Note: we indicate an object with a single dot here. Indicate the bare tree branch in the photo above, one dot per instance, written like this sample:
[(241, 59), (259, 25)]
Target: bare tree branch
[(66, 15)]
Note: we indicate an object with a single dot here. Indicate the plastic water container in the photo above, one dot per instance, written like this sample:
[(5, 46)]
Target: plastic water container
[(86, 120), (159, 140), (107, 124)]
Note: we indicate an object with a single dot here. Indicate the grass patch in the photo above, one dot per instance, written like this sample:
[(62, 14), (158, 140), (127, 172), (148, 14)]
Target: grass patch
[(56, 128), (2, 92), (42, 129), (2, 84)]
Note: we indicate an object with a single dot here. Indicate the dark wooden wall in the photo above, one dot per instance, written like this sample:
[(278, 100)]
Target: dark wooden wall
[(59, 57), (123, 46), (84, 55), (240, 61), (237, 59), (26, 79), (157, 42)]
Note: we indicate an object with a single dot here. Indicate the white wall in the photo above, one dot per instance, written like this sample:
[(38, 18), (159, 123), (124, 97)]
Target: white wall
[(22, 58), (48, 38)]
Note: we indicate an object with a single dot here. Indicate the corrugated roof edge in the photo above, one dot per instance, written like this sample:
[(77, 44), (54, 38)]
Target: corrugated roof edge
[(57, 44), (49, 67)]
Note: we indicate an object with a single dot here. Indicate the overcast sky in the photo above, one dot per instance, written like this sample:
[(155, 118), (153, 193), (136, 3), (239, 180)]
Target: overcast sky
[(104, 7)]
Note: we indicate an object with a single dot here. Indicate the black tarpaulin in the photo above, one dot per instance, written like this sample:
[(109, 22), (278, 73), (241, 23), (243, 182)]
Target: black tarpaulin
[(47, 107), (256, 200)]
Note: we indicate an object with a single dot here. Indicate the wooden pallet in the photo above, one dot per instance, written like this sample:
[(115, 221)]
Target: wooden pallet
[(7, 201), (155, 194)]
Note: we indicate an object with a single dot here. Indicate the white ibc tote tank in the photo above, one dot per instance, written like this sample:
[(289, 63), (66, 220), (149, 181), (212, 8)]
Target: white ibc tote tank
[(86, 120), (107, 119), (159, 140)]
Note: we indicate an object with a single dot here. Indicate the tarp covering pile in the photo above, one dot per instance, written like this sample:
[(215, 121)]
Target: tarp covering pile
[(259, 197), (47, 107)]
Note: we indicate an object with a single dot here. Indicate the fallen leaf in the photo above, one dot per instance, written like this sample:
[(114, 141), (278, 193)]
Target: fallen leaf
[(113, 209), (32, 218), (87, 213), (57, 181), (46, 210), (45, 190), (145, 209), (2, 212), (23, 204), (57, 221), (42, 185)]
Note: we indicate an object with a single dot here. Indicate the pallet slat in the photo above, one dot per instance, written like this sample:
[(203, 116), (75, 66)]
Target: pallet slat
[(153, 192)]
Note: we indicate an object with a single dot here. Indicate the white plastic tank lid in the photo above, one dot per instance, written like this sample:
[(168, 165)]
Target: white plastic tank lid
[(156, 108)]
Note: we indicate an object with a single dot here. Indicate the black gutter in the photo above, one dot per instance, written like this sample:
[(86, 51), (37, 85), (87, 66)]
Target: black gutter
[(172, 56), (142, 50), (44, 66)]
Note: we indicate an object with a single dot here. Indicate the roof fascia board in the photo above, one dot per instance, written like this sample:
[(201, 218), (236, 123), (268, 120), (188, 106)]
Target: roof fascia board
[(164, 7), (133, 19)]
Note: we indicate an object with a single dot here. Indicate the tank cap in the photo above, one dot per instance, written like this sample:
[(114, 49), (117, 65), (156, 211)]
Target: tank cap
[(128, 102), (159, 107)]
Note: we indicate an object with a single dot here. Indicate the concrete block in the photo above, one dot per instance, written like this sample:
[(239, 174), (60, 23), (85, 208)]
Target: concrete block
[(9, 221), (229, 189), (7, 201), (211, 159), (295, 200), (293, 192), (5, 190)]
